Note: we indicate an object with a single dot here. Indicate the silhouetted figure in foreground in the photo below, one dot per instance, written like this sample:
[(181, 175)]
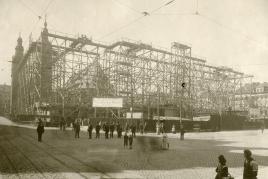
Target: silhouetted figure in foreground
[(222, 169), (40, 130), (250, 166)]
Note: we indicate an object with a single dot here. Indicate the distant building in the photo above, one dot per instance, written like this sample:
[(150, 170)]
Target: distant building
[(253, 98), (4, 99)]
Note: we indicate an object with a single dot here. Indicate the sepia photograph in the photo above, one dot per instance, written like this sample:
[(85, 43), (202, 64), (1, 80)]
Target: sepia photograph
[(133, 89)]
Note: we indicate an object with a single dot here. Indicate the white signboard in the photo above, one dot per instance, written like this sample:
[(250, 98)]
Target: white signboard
[(107, 102), (170, 118), (201, 118), (136, 115)]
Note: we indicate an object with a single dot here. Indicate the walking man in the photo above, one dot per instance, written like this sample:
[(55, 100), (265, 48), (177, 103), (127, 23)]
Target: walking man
[(133, 130), (40, 130), (112, 130), (262, 126), (97, 128), (125, 140), (250, 166), (89, 129), (119, 130), (130, 140), (182, 132), (106, 129), (77, 128)]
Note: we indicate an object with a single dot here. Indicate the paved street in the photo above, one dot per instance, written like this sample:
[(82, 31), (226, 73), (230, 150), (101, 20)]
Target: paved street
[(62, 156)]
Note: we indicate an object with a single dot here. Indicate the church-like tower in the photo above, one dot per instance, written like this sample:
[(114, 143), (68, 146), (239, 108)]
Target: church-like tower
[(16, 59)]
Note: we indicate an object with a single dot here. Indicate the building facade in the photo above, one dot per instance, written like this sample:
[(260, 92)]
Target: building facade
[(4, 99), (254, 99)]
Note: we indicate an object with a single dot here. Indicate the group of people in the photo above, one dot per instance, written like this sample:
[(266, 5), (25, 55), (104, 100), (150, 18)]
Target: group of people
[(250, 167), (107, 128)]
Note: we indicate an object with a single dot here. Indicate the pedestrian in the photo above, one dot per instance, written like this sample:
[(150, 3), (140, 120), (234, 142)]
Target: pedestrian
[(40, 130), (165, 143), (222, 169), (250, 166), (130, 140), (144, 127), (119, 131), (173, 129), (73, 125), (162, 127), (106, 130), (97, 128), (77, 128), (63, 124), (262, 126), (126, 127), (141, 127), (125, 140), (112, 130), (182, 132), (89, 130), (157, 125), (133, 130)]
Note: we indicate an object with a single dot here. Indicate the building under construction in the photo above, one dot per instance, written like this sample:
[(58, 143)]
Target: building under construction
[(59, 75)]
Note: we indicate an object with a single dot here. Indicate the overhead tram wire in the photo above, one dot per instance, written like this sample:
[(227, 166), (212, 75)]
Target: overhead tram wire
[(29, 8), (144, 14), (247, 37), (42, 14), (121, 4)]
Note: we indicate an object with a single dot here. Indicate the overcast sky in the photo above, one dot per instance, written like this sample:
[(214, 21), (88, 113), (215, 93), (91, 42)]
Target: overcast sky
[(230, 33)]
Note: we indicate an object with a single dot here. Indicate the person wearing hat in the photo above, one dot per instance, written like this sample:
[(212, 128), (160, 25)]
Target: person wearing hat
[(250, 166), (222, 169), (125, 140), (40, 130), (89, 130)]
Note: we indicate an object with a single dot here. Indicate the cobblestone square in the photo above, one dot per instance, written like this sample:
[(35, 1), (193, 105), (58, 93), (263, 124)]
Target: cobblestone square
[(60, 155)]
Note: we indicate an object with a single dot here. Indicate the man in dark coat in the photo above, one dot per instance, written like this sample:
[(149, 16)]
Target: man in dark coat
[(40, 130), (119, 130), (97, 128), (133, 130), (130, 140), (250, 166), (106, 129), (112, 130), (125, 140), (182, 132), (89, 130), (77, 129), (63, 124)]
